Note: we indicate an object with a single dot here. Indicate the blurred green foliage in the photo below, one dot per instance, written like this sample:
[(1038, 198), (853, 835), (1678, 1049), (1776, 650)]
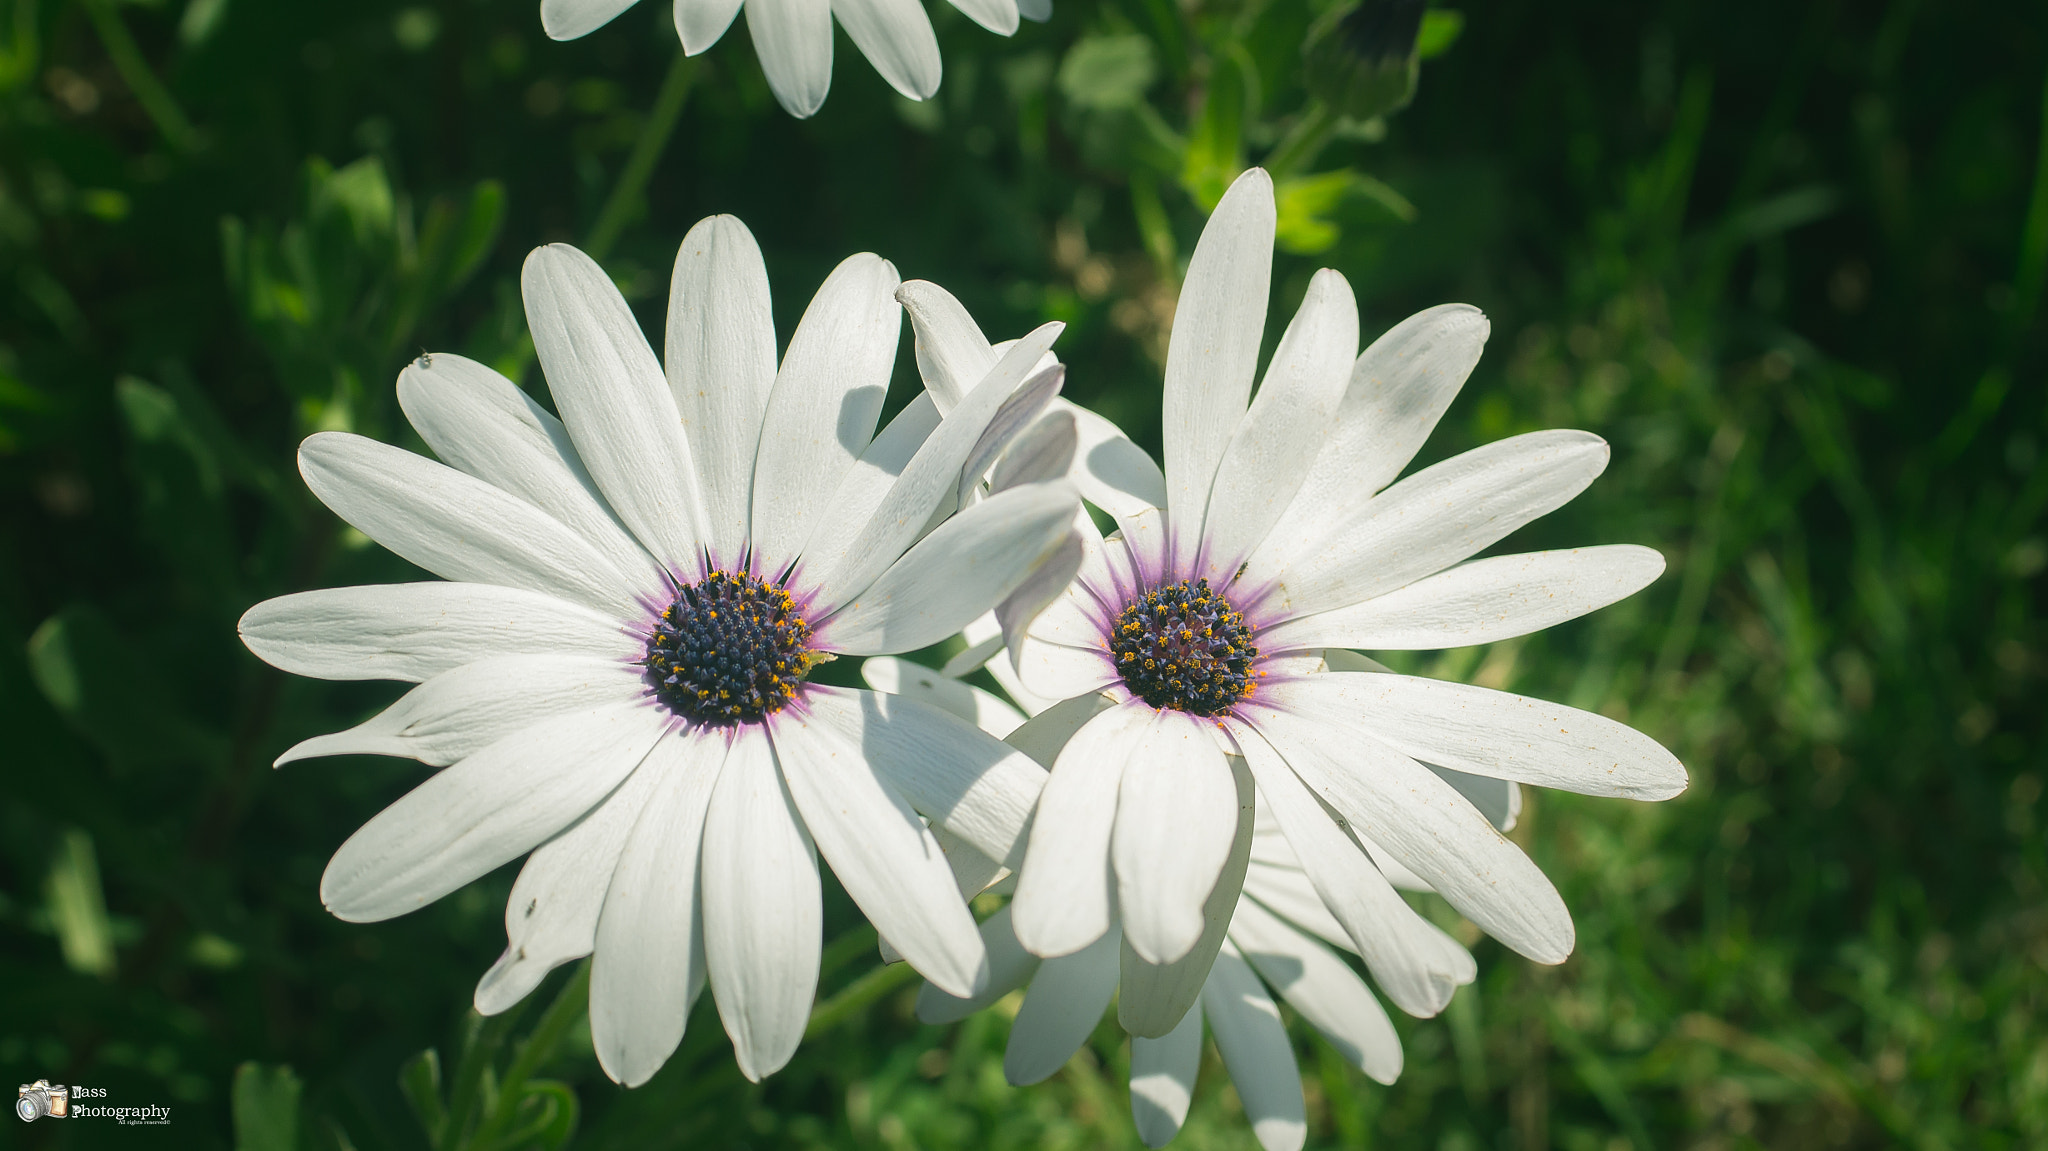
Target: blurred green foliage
[(1788, 259)]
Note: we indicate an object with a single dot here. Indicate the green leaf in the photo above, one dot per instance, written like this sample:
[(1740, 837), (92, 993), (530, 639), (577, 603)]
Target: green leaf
[(100, 680), (1215, 148), (266, 1108), (1106, 72), (78, 907), (1440, 29), (1305, 205), (420, 1081)]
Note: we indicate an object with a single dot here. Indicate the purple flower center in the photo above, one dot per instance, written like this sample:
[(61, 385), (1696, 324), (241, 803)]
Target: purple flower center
[(731, 649), (1183, 646)]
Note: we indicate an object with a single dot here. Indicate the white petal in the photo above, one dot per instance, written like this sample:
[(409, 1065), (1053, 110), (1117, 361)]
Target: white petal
[(952, 353), (1421, 821), (998, 16), (932, 475), (1056, 671), (794, 41), (569, 19), (1015, 415), (479, 422), (1143, 562), (1045, 734), (1288, 893), (415, 631), (954, 574), (1063, 890), (1277, 441), (1483, 601), (763, 912), (1214, 350), (1041, 589), (1319, 986), (868, 482), (1399, 390), (1255, 1050), (457, 526), (1496, 733), (701, 23), (882, 853), (1010, 967), (1163, 1079), (960, 778), (1176, 815), (1038, 10), (896, 37), (720, 362), (1060, 1010), (1496, 799), (1044, 451), (649, 966), (892, 676), (828, 394), (1113, 473), (1153, 998), (465, 709), (551, 917), (1431, 520), (1377, 920), (486, 811), (615, 402)]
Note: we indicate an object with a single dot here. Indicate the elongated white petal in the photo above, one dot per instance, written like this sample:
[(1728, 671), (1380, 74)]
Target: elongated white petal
[(1496, 733), (882, 853), (1010, 967), (893, 676), (763, 912), (415, 631), (1056, 671), (1288, 893), (1163, 1079), (1176, 814), (615, 402), (1433, 519), (1214, 351), (720, 363), (868, 482), (1013, 417), (701, 23), (962, 779), (1041, 589), (1152, 998), (569, 19), (649, 966), (1420, 820), (1253, 1043), (1044, 736), (896, 37), (1063, 891), (1277, 442), (486, 811), (1113, 473), (1044, 451), (1038, 10), (998, 16), (931, 476), (1319, 986), (954, 574), (828, 393), (551, 917), (465, 709), (793, 38), (1483, 601), (1062, 1006), (1496, 799), (457, 526), (481, 423), (1375, 917)]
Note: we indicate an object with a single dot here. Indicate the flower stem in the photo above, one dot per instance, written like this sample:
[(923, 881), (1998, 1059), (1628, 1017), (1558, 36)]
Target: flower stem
[(1299, 147), (625, 199), (156, 100), (856, 997), (568, 1007)]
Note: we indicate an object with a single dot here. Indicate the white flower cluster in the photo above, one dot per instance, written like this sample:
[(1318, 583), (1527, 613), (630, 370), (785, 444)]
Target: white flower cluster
[(1202, 796)]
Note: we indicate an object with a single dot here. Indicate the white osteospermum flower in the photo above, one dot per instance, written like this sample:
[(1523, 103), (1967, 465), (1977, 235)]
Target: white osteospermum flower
[(1279, 936), (1190, 653), (794, 37), (616, 681)]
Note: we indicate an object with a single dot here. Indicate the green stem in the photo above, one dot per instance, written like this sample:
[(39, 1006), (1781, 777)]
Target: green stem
[(856, 997), (156, 100), (484, 1035), (562, 1015), (661, 124), (1298, 149)]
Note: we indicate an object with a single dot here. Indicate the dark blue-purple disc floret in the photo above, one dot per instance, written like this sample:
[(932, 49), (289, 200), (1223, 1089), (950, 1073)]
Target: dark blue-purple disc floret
[(730, 649), (1182, 646)]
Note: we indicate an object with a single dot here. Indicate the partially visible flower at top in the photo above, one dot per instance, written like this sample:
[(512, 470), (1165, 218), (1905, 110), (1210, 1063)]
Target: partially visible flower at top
[(794, 37), (1360, 58), (1203, 646), (619, 673)]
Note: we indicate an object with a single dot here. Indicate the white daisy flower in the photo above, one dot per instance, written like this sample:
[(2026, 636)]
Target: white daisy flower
[(616, 677), (1279, 936), (794, 37), (1191, 651)]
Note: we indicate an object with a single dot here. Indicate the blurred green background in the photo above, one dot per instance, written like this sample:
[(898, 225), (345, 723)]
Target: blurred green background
[(1788, 258)]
